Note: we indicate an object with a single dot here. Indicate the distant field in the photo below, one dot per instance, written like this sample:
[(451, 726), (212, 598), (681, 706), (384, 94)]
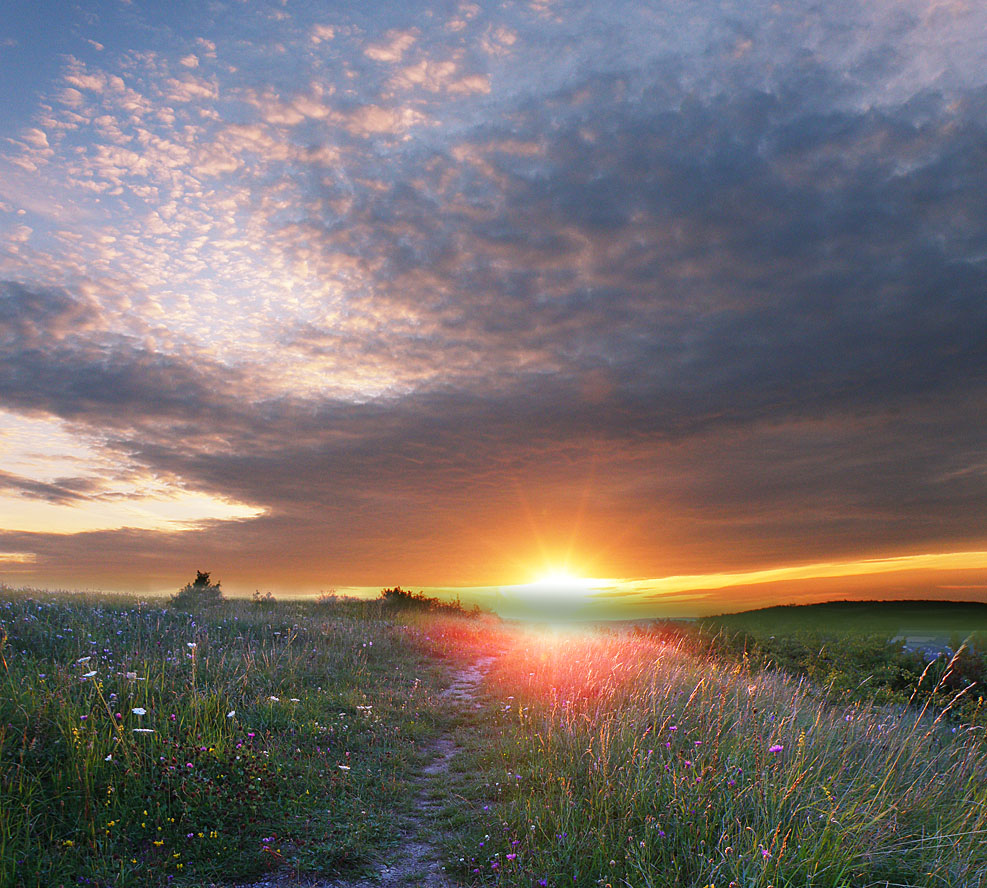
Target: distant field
[(889, 618), (302, 741), (888, 652)]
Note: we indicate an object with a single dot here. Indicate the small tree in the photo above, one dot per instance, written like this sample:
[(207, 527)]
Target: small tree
[(200, 593)]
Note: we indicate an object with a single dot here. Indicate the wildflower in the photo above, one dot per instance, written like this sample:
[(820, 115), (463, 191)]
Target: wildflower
[(131, 676), (776, 748), (191, 645), (139, 710), (109, 758), (512, 856), (89, 674), (83, 660), (765, 853), (274, 699)]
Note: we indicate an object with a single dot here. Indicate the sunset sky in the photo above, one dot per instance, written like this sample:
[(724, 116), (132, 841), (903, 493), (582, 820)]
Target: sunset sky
[(688, 298)]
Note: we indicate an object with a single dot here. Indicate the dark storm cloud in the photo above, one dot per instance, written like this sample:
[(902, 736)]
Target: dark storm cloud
[(749, 255), (58, 358)]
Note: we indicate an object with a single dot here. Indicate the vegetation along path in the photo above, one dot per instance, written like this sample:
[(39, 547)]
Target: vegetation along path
[(417, 859)]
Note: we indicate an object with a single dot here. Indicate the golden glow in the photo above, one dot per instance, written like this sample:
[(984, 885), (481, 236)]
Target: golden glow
[(561, 593), (93, 488), (557, 586), (161, 509), (819, 570), (556, 579)]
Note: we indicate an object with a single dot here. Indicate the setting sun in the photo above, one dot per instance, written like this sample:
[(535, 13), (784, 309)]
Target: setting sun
[(554, 594), (562, 583)]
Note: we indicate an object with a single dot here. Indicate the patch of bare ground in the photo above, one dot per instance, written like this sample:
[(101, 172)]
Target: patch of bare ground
[(414, 862)]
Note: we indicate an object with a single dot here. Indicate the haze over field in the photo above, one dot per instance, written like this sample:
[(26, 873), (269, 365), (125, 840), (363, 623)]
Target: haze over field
[(689, 297)]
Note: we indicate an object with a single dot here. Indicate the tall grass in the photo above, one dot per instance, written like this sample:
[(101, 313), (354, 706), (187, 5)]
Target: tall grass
[(626, 760), (141, 746)]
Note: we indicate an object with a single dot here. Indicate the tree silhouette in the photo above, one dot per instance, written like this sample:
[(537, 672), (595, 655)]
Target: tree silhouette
[(198, 594)]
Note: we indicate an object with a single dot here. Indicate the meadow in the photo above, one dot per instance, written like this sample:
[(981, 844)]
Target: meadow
[(140, 745)]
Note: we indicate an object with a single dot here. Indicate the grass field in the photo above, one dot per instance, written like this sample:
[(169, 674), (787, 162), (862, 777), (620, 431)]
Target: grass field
[(140, 745), (885, 652)]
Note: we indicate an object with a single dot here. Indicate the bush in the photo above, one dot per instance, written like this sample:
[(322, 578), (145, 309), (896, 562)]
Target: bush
[(400, 599), (198, 594), (263, 600)]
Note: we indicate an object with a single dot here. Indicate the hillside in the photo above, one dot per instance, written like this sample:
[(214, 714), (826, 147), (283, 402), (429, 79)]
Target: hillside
[(886, 618)]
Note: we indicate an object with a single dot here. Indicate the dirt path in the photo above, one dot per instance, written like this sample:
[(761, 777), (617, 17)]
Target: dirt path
[(418, 863), (415, 862)]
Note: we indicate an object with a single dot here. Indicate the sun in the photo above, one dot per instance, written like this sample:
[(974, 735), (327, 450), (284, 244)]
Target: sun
[(561, 578), (555, 594), (560, 583)]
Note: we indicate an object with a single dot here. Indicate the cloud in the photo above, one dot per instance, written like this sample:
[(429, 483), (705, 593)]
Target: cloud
[(434, 280), (321, 33), (63, 491), (393, 49)]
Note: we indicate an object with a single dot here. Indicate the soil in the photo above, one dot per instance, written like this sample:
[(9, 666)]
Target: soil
[(415, 862)]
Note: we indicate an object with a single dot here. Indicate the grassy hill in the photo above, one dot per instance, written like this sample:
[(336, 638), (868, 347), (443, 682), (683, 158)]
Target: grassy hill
[(884, 651), (887, 618)]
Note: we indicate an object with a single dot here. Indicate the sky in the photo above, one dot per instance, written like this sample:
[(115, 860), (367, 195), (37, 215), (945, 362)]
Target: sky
[(622, 308)]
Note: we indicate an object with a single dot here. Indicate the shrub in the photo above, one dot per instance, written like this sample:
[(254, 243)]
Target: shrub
[(400, 599), (200, 593)]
